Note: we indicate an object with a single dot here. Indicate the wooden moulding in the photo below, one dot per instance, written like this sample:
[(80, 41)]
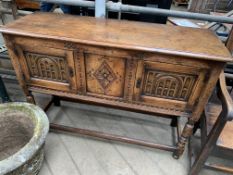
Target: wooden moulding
[(219, 167), (107, 136)]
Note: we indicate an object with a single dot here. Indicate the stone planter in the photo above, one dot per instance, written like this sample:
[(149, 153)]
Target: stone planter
[(24, 128)]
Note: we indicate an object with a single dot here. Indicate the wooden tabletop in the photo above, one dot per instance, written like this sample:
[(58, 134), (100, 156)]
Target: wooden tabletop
[(190, 42)]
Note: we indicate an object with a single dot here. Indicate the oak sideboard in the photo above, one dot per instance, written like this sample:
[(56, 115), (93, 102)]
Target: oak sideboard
[(151, 68)]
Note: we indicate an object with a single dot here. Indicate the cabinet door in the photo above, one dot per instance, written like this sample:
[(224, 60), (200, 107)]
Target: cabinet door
[(105, 75), (48, 67), (167, 85)]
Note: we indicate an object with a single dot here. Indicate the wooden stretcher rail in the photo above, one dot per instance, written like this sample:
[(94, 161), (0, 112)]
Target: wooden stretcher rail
[(107, 136)]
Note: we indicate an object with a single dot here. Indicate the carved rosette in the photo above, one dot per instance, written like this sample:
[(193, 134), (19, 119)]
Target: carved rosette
[(105, 75)]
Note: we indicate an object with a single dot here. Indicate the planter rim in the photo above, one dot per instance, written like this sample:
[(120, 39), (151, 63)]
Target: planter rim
[(40, 132)]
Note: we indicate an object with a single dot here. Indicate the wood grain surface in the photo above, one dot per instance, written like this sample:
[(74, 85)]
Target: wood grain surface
[(199, 43)]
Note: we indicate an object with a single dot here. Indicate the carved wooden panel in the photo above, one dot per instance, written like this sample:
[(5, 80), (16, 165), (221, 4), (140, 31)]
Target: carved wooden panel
[(105, 75), (47, 67), (168, 85)]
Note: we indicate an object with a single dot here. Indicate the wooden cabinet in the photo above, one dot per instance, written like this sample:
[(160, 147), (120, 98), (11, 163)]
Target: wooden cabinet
[(141, 67)]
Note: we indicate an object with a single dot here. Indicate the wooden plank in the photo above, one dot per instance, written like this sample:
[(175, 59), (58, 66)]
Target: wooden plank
[(115, 33), (45, 170), (226, 138), (137, 129), (155, 157), (129, 153), (22, 4), (82, 154), (106, 156), (209, 25), (180, 2), (220, 167), (129, 127), (62, 164)]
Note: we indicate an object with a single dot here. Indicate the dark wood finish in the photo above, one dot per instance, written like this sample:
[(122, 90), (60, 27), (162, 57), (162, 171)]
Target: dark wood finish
[(118, 34), (56, 100), (180, 2), (207, 6), (219, 167), (27, 4), (127, 65), (225, 140), (48, 105), (107, 136), (219, 134), (3, 93)]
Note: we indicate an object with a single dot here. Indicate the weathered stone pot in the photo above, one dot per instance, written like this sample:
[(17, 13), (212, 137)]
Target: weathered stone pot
[(23, 129)]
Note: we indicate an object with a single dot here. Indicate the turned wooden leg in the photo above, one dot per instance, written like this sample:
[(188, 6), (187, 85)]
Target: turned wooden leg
[(197, 126), (30, 98), (56, 101), (3, 93), (174, 122), (209, 144), (186, 133)]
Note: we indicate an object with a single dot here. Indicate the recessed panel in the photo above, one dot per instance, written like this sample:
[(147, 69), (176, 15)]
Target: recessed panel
[(168, 85), (105, 75), (47, 67)]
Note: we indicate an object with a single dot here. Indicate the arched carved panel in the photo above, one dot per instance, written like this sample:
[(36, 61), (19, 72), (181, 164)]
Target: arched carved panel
[(47, 67), (168, 85)]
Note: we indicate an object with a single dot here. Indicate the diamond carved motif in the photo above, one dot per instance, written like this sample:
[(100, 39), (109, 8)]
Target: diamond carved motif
[(105, 75)]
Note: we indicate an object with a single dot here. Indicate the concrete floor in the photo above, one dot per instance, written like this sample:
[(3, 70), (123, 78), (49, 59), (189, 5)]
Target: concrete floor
[(78, 155)]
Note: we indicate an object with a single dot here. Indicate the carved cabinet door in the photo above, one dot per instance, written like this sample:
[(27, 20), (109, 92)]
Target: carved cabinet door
[(48, 67), (168, 86), (104, 74)]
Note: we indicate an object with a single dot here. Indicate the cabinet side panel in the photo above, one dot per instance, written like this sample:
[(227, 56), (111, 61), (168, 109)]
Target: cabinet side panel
[(9, 41)]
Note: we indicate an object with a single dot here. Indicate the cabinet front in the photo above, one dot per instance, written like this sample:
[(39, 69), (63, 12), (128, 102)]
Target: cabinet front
[(168, 86), (48, 67)]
